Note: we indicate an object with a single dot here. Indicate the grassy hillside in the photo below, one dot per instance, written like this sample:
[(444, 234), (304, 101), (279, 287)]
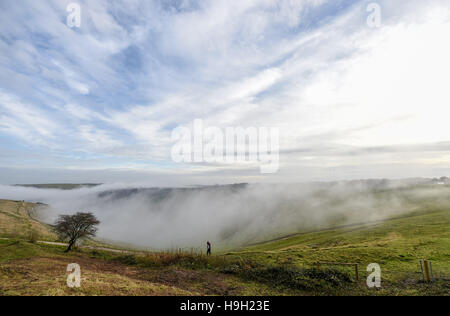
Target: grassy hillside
[(40, 269), (281, 267), (16, 221), (34, 268), (396, 245)]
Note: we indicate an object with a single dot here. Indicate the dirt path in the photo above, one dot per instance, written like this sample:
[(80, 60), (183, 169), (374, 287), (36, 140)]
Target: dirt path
[(93, 248), (87, 247)]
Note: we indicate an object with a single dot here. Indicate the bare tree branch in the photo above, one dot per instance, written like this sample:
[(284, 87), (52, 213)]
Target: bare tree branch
[(75, 227)]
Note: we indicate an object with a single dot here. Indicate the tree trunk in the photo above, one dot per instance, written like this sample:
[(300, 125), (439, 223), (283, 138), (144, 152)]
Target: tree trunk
[(71, 243)]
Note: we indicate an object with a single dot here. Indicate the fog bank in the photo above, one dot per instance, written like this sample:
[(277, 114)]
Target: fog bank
[(230, 216)]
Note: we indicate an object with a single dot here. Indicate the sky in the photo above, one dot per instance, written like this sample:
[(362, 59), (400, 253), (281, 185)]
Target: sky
[(98, 103)]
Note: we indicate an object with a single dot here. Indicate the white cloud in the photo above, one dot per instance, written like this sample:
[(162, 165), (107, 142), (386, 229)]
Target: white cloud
[(81, 112), (25, 121), (97, 139), (135, 72), (78, 86)]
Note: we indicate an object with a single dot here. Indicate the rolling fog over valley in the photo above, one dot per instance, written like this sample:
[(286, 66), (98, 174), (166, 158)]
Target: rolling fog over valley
[(232, 215), (222, 149)]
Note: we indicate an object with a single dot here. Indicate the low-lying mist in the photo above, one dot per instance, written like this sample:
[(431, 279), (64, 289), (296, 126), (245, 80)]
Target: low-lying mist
[(233, 215)]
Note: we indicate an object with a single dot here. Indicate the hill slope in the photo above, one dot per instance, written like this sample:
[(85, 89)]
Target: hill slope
[(396, 245), (281, 267), (16, 220), (29, 268)]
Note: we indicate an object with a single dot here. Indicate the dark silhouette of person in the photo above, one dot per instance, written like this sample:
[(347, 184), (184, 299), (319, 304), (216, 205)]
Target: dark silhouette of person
[(208, 248)]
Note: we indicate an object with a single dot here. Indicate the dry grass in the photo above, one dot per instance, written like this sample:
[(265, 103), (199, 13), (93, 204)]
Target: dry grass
[(40, 269), (47, 277), (30, 268)]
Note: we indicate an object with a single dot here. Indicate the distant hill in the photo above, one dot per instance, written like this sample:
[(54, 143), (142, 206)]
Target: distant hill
[(60, 186)]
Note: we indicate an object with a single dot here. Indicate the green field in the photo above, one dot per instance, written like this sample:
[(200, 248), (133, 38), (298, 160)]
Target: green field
[(396, 245), (282, 267)]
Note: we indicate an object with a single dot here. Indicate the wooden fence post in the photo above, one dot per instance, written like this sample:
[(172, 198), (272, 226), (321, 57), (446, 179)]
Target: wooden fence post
[(356, 272), (421, 268), (431, 271), (427, 271)]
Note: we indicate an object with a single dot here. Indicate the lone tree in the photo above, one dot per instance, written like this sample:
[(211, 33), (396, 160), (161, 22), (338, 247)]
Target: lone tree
[(75, 227)]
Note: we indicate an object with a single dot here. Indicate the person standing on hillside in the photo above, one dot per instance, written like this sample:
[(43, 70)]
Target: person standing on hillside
[(208, 248)]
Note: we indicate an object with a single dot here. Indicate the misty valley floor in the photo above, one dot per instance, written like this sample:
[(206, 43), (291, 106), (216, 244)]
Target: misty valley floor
[(281, 267)]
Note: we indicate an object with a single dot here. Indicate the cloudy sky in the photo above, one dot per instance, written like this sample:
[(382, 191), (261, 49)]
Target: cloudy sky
[(99, 103)]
